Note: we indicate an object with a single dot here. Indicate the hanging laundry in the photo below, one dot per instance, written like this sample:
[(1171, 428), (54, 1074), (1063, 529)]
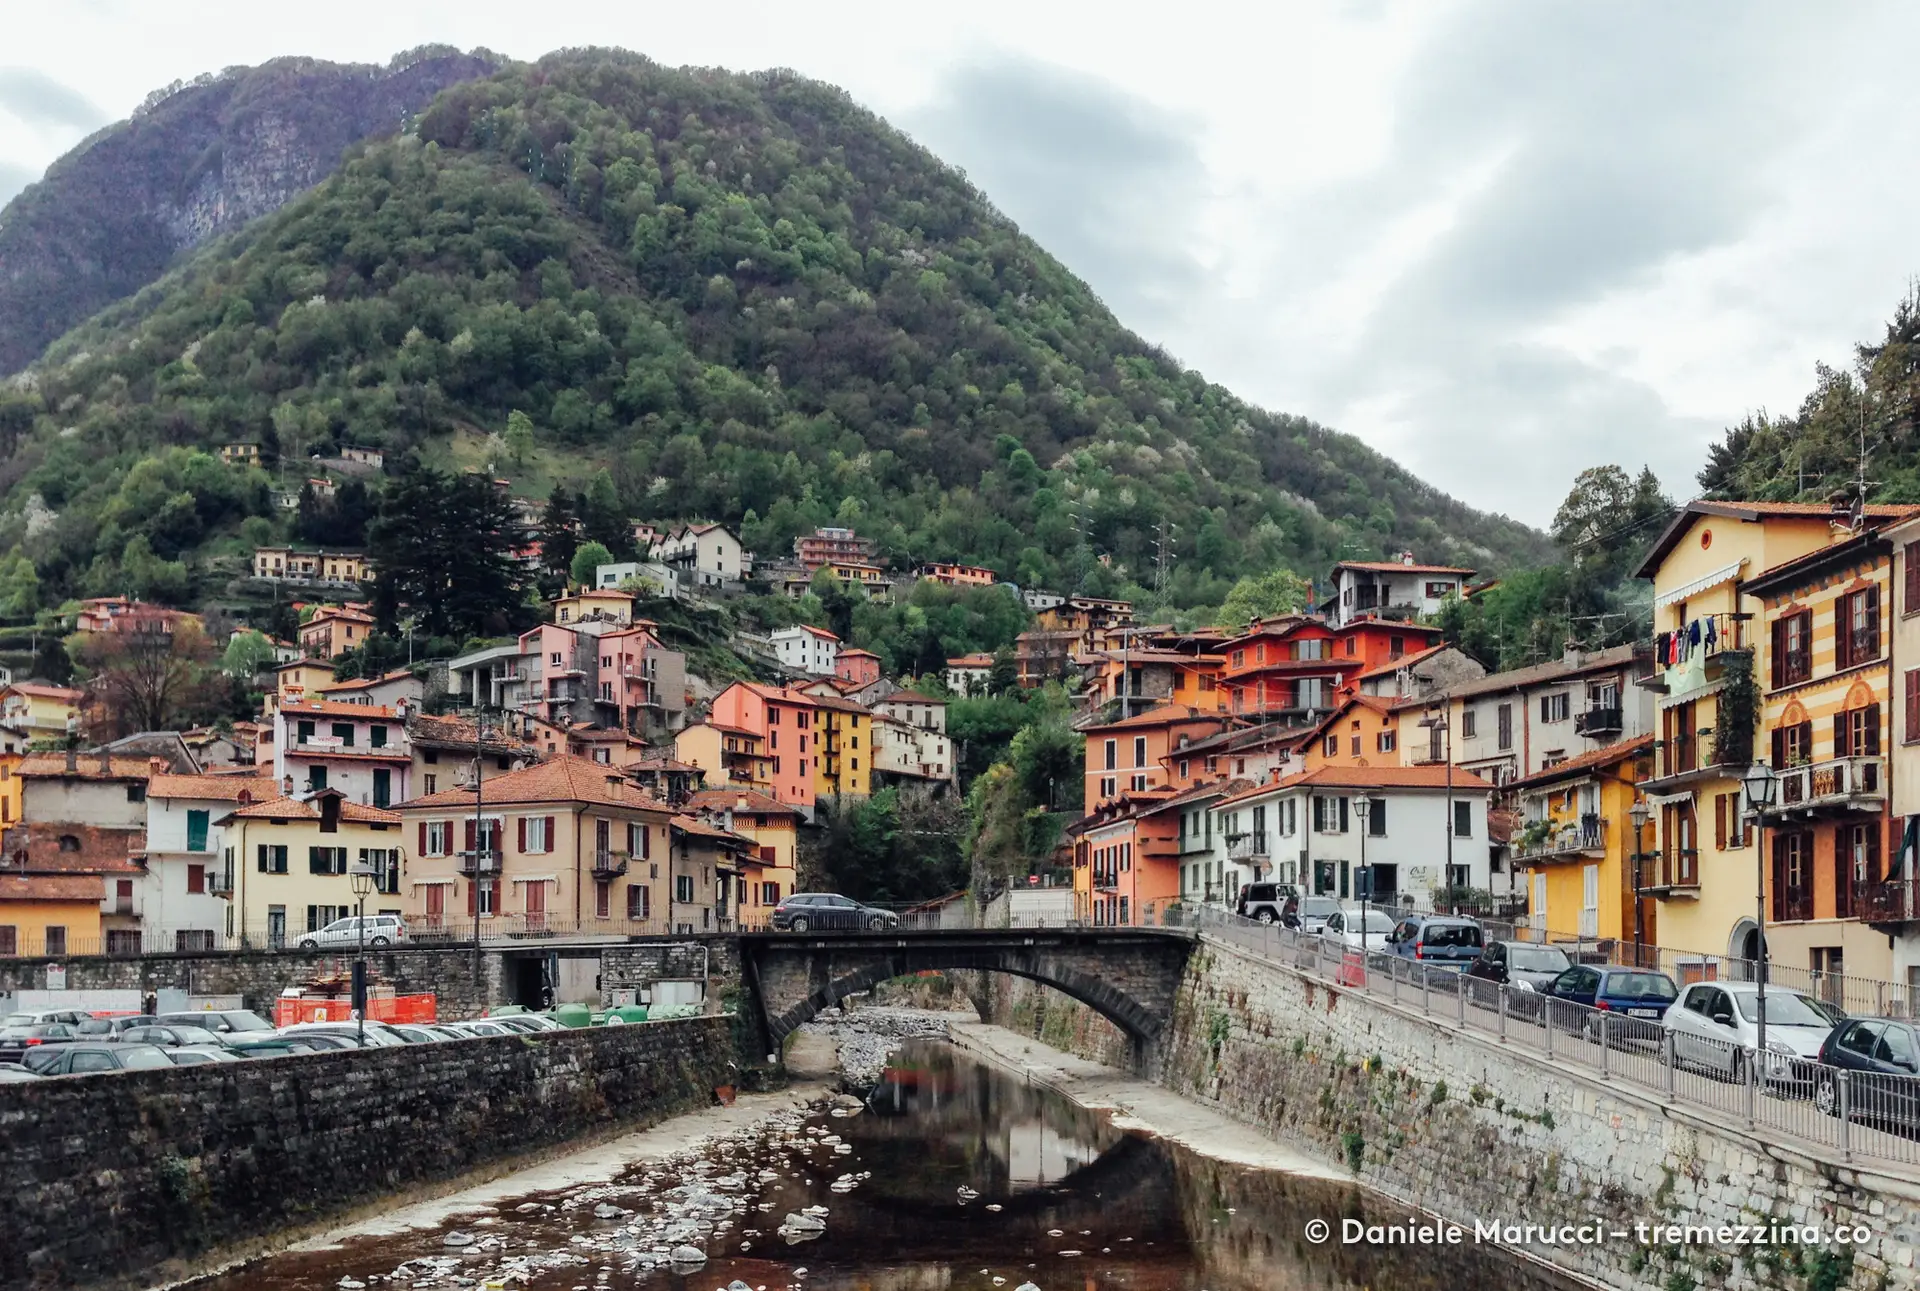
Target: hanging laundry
[(1708, 637)]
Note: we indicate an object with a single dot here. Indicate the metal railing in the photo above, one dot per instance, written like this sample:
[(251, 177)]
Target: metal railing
[(1566, 838), (1834, 781), (1869, 1115)]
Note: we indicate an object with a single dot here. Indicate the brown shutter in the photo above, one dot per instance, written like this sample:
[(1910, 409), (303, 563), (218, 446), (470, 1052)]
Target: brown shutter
[(1720, 821), (1843, 633), (1871, 649), (423, 838), (1779, 748), (473, 897), (1873, 733), (1842, 734), (1911, 561), (520, 826), (1779, 653), (1913, 705), (1874, 868), (472, 842), (1842, 872), (550, 834), (1778, 903)]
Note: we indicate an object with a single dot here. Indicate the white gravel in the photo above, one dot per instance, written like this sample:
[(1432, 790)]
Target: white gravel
[(867, 1037)]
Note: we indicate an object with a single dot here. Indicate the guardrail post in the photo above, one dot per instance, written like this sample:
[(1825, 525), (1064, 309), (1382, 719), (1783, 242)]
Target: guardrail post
[(1500, 1004), (1606, 1045), (1460, 997), (1753, 1085), (1843, 1103), (1393, 974), (1426, 993), (1546, 1019), (1669, 1059)]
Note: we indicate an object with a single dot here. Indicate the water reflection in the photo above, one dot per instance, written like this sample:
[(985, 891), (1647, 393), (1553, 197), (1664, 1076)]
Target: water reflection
[(955, 1175)]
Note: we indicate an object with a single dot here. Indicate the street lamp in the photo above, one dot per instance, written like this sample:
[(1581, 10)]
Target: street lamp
[(1362, 808), (1640, 814), (1760, 781), (362, 876)]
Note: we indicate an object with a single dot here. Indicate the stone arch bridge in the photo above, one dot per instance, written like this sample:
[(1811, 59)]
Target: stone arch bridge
[(1130, 976)]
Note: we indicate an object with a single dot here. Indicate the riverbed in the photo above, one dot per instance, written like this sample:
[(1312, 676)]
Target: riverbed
[(957, 1170)]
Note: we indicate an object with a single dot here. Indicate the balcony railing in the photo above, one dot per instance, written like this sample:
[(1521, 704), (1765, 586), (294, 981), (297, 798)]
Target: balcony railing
[(1895, 901), (1245, 847), (220, 884), (1598, 721), (1571, 838), (483, 861), (1792, 905), (609, 864), (1838, 782)]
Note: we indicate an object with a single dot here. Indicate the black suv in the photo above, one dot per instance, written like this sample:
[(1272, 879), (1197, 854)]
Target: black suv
[(1264, 901), (822, 911)]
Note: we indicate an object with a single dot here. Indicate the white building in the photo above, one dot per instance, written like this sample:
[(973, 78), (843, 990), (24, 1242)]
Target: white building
[(702, 555), (1305, 830), (188, 878), (968, 674), (920, 711), (902, 750), (358, 749), (1038, 600), (613, 577), (1390, 588), (1893, 907), (807, 649)]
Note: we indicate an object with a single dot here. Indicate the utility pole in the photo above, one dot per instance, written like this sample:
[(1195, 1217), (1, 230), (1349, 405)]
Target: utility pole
[(1163, 557), (479, 826)]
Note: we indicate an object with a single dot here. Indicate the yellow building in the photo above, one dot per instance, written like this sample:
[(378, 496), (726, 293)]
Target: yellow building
[(49, 914), (1709, 658), (774, 830), (732, 756), (286, 861), (333, 630), (843, 748), (32, 710), (1576, 849), (606, 604), (297, 682), (1826, 708)]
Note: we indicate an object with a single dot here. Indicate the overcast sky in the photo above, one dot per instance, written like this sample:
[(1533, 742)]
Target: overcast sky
[(1500, 241)]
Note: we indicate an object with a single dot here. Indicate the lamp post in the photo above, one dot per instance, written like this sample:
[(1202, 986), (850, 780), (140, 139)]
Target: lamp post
[(362, 876), (1640, 813), (1362, 808), (1760, 782)]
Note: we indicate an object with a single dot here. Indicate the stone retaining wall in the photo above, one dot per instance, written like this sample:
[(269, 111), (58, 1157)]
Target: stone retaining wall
[(1472, 1130), (124, 1179)]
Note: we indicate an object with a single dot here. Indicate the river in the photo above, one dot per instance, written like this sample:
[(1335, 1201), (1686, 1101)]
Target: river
[(954, 1175)]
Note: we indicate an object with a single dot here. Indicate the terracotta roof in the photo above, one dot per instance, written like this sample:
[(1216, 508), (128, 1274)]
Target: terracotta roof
[(819, 632), (36, 848), (222, 788), (1200, 793), (44, 691), (1404, 661), (836, 704), (50, 887), (333, 708), (1396, 777), (562, 778), (1397, 567), (661, 764), (971, 661), (328, 612), (855, 652), (1684, 519), (291, 664), (309, 809), (694, 825), (1604, 756), (368, 683), (1161, 716), (750, 801), (86, 766), (458, 732), (910, 697), (1614, 657)]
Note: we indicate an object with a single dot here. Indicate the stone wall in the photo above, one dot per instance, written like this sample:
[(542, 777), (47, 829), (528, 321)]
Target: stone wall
[(1473, 1130), (128, 1178)]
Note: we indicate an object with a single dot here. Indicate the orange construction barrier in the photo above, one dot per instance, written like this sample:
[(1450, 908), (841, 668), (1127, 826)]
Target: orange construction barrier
[(1353, 969), (288, 1010)]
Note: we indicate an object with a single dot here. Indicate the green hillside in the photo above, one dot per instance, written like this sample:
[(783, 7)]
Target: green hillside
[(742, 296)]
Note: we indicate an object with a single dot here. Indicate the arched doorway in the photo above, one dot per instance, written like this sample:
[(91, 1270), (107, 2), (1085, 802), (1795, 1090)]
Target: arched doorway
[(1744, 950)]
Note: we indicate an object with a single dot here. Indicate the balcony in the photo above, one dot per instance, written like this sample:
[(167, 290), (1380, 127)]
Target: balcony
[(220, 884), (609, 864), (1247, 847), (1598, 721), (1671, 874), (1839, 784), (1192, 844), (1704, 661), (1886, 906), (483, 861), (1564, 839)]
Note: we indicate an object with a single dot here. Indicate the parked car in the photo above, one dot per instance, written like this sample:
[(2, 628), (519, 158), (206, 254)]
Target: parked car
[(16, 1041), (10, 1074), (378, 1035), (1264, 901), (259, 1046), (380, 930), (1716, 1026), (71, 1017), (1639, 995), (480, 1027), (1308, 914), (821, 911), (1881, 1057), (317, 1042), (173, 1037), (200, 1055), (110, 1028), (1524, 965), (223, 1021), (89, 1057), (1360, 929), (1449, 939)]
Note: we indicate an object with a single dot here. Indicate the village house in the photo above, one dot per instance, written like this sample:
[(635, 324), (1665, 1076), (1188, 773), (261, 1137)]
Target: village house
[(35, 710), (968, 674), (710, 866), (1131, 756), (184, 891), (1575, 855), (855, 666), (957, 575), (732, 756), (444, 749), (333, 630), (336, 568), (784, 718), (70, 888), (773, 829), (397, 690), (286, 862), (702, 556), (1401, 588), (831, 545), (360, 750)]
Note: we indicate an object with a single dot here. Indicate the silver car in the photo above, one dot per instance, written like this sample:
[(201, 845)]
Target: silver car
[(1716, 1026), (377, 929)]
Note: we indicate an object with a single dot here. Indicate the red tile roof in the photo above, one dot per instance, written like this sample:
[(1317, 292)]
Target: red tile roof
[(1404, 661), (1463, 781), (309, 809), (563, 778), (1605, 756), (45, 691), (368, 683), (51, 887), (249, 788), (747, 801), (60, 847), (86, 766)]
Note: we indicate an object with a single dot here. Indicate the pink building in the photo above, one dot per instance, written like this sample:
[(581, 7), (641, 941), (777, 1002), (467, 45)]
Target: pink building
[(860, 667)]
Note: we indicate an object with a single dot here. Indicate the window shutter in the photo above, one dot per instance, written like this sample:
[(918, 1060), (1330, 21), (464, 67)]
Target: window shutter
[(423, 838), (521, 825), (1720, 821), (1319, 815), (472, 842), (1874, 868), (549, 846), (1843, 633), (1779, 655), (1873, 731), (1842, 734), (1779, 742), (473, 897), (263, 858), (1872, 650)]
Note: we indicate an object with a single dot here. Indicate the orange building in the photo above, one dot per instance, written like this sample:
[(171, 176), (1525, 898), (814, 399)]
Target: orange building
[(783, 719), (333, 630), (852, 664), (1131, 755), (1126, 857), (958, 575), (1145, 678), (1294, 667), (1364, 731)]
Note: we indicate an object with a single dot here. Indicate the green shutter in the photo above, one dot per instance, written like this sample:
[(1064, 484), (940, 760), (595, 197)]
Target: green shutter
[(196, 831)]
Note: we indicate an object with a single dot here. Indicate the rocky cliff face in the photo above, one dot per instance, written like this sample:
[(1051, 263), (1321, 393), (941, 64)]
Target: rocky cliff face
[(112, 214)]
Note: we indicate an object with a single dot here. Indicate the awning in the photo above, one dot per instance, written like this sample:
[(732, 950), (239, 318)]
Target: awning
[(533, 878), (1669, 799), (1725, 574), (434, 883)]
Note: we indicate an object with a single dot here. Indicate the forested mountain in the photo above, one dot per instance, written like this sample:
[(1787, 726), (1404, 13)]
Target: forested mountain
[(741, 296), (1870, 407), (197, 160)]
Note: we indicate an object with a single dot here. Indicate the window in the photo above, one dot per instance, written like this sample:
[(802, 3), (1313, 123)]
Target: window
[(639, 841), (343, 732), (1388, 741), (433, 783), (319, 916), (1352, 645), (1139, 750), (683, 888), (316, 778), (1463, 820), (273, 858), (1113, 754), (196, 830), (535, 836), (1108, 786), (1911, 734), (1856, 864), (1329, 815), (56, 937), (639, 903), (303, 732), (1856, 733), (1354, 746), (436, 838), (196, 879), (1792, 649), (1792, 875), (1377, 818), (1396, 647), (326, 860), (602, 899), (1729, 822), (1331, 746), (9, 939), (1856, 628), (1554, 708), (1185, 768), (1792, 745), (1679, 849), (1467, 730), (1504, 715), (377, 737), (382, 787)]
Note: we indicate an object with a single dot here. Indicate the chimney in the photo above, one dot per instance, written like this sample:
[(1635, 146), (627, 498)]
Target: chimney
[(156, 766), (73, 759), (286, 786), (329, 812), (1406, 558), (106, 760)]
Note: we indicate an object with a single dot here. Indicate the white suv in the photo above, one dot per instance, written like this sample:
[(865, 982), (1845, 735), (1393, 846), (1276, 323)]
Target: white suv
[(381, 930)]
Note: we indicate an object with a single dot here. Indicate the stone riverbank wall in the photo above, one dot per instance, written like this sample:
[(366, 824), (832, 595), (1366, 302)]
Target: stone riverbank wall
[(128, 1178), (1472, 1130)]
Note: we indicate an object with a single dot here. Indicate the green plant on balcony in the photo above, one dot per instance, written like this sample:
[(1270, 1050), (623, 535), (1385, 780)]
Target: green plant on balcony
[(1535, 835), (1739, 714)]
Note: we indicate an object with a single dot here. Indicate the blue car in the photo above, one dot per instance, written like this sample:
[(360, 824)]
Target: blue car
[(1641, 996)]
